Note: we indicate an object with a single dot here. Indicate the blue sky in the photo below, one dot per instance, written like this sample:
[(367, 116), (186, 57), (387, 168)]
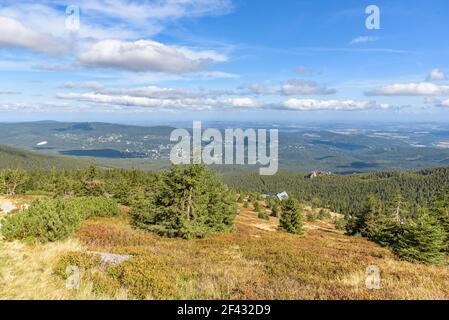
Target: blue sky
[(149, 61)]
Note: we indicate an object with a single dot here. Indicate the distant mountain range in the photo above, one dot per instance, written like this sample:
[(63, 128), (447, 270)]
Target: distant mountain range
[(336, 148)]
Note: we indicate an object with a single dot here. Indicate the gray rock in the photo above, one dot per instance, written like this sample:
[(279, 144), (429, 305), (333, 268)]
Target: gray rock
[(111, 259), (8, 207)]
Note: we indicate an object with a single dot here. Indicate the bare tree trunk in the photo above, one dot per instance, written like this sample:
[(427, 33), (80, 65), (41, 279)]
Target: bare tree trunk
[(189, 205)]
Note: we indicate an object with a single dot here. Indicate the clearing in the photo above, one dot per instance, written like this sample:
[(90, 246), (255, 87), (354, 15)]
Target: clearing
[(254, 262)]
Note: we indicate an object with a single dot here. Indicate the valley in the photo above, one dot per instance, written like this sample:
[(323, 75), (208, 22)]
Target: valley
[(337, 148)]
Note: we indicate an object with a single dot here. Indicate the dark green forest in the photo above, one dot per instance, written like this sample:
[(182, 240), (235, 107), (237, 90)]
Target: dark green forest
[(14, 157), (347, 193)]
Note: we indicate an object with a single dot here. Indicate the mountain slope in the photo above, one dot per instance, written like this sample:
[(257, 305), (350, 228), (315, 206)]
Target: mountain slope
[(12, 157), (254, 262)]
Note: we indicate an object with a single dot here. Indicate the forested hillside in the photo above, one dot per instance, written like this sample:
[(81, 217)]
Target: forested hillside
[(12, 157), (346, 193)]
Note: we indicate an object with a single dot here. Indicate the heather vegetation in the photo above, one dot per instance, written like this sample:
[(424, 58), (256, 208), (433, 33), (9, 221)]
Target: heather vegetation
[(149, 216)]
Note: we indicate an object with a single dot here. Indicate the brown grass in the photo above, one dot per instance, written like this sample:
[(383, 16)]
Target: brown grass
[(255, 262)]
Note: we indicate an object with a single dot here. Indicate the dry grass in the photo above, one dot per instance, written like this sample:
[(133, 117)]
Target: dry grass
[(255, 262)]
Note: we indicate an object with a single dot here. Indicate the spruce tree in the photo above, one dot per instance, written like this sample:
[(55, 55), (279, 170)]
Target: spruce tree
[(385, 231), (291, 216), (363, 222), (440, 210), (422, 240), (189, 202)]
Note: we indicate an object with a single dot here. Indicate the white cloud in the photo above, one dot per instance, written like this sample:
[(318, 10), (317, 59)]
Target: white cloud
[(213, 75), (301, 87), (436, 75), (160, 11), (444, 103), (157, 92), (241, 103), (111, 19), (149, 91), (363, 39), (123, 100), (14, 34), (410, 89), (204, 103), (146, 55), (347, 105)]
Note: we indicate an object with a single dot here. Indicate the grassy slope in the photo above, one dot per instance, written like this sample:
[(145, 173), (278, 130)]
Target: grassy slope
[(12, 157), (255, 262)]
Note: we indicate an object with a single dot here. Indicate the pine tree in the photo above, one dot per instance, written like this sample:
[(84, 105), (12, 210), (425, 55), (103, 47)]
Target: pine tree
[(189, 202), (423, 240), (92, 185), (275, 210), (398, 207), (291, 216)]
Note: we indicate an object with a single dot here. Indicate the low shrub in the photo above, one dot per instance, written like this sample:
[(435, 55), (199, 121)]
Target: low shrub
[(147, 277), (311, 216), (94, 207), (53, 220), (81, 260), (263, 216), (275, 211), (324, 214), (340, 223), (43, 220), (90, 266)]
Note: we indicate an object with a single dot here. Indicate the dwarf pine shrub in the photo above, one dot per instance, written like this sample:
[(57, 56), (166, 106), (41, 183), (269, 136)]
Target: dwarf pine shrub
[(56, 219), (263, 215)]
